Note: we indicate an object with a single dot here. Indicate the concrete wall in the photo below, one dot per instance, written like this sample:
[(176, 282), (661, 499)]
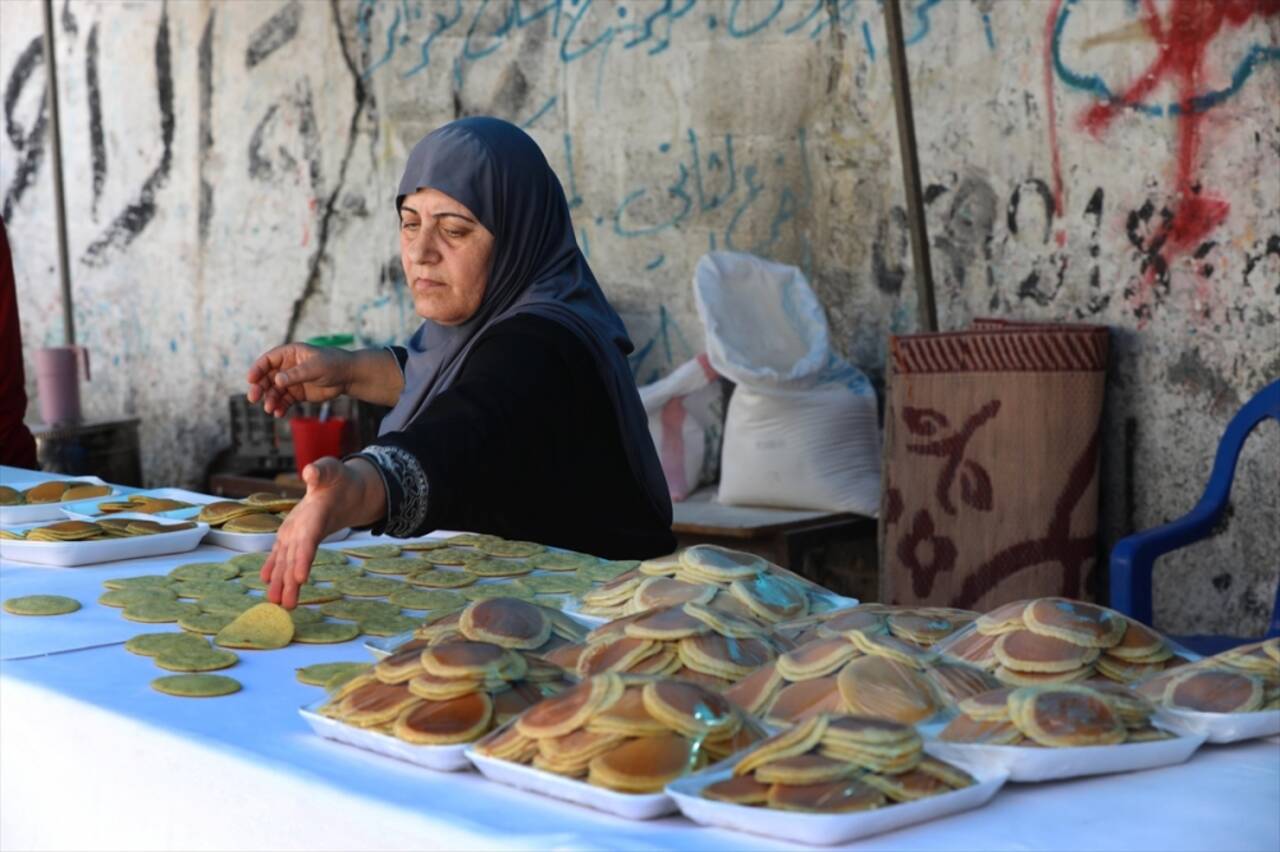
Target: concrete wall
[(231, 166)]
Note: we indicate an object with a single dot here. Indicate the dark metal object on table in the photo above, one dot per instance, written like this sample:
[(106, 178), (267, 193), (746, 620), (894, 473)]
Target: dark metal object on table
[(104, 448)]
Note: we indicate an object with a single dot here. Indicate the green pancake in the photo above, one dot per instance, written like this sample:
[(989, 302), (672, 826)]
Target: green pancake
[(554, 584), (441, 578), (426, 599), (205, 622), (305, 615), (340, 680), (324, 556), (496, 590), (205, 571), (41, 605), (151, 644), (196, 686), (452, 556), (329, 573), (326, 632), (309, 594), (354, 610), (222, 604), (388, 625), (490, 567), (146, 581), (254, 582), (395, 565), (373, 551), (202, 588), (318, 674), (503, 547), (124, 597), (367, 587), (158, 612), (205, 659), (554, 560), (249, 562)]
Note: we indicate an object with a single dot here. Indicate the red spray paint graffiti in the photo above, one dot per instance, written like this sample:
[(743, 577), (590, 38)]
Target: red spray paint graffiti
[(1183, 38)]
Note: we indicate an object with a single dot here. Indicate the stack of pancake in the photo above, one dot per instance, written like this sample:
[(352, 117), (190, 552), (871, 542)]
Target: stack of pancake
[(921, 626), (1056, 640), (1240, 680), (146, 504), (257, 513), (838, 764), (690, 641), (101, 530), (458, 688), (630, 733), (1056, 716), (739, 583), (856, 667), (54, 491)]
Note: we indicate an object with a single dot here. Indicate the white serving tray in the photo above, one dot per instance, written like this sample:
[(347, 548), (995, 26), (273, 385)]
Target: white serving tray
[(442, 758), (68, 554), (13, 515), (87, 510), (823, 829), (1220, 727), (384, 646), (257, 542), (635, 806), (1032, 763)]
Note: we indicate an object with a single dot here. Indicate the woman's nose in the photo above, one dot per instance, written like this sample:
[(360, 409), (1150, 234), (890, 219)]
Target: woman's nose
[(423, 247)]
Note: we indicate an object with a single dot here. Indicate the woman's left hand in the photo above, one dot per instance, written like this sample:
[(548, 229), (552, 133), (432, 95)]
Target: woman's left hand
[(338, 495)]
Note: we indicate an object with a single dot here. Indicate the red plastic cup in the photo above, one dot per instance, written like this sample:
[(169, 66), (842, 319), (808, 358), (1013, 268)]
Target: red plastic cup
[(314, 438)]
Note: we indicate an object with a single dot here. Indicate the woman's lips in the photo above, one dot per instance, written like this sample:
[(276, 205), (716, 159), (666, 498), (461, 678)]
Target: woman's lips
[(425, 284)]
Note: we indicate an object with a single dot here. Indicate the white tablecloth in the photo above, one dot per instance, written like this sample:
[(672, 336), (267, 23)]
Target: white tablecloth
[(92, 758)]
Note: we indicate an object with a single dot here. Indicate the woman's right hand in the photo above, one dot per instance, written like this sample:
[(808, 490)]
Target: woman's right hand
[(296, 372)]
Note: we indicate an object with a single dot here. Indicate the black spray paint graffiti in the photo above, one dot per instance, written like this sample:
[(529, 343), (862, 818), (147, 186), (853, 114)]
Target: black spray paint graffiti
[(969, 229), (30, 146), (279, 30), (204, 62), (97, 145), (137, 215), (892, 231)]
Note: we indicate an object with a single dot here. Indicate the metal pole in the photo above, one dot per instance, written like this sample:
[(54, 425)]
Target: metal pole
[(925, 308), (59, 199)]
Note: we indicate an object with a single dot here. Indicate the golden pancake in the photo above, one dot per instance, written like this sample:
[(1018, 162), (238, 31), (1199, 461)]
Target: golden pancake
[(797, 739), (723, 622), (251, 524), (952, 776), (566, 657), (642, 765), (578, 748), (1154, 689), (1013, 677), (1062, 716), (707, 681), (1139, 642), (976, 648), (1075, 621), (966, 729), (1126, 671), (460, 720), (564, 626), (770, 598), (1215, 691), (400, 666), (510, 745), (804, 769), (1002, 619), (616, 654), (1133, 709), (908, 786), (84, 492), (720, 564), (756, 691), (815, 659), (506, 622), (738, 790), (435, 688), (662, 566), (67, 531), (1025, 651), (627, 716), (858, 619), (732, 659), (891, 648), (1147, 734), (688, 709), (990, 706), (805, 699), (832, 797), (921, 629), (48, 492), (1271, 648), (667, 624), (466, 659), (881, 687), (567, 712), (1253, 659), (618, 589), (956, 681), (374, 703), (869, 731), (659, 592), (217, 514), (893, 757), (726, 603)]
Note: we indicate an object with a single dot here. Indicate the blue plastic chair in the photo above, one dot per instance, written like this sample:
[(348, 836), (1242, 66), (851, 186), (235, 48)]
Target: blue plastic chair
[(1132, 558)]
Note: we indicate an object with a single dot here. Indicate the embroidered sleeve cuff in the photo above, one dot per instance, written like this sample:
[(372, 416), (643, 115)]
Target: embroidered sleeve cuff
[(406, 489)]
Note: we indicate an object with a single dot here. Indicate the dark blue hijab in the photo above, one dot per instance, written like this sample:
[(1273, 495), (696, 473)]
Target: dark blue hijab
[(499, 173)]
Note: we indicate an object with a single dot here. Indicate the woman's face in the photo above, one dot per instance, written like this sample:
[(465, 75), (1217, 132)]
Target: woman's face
[(446, 254)]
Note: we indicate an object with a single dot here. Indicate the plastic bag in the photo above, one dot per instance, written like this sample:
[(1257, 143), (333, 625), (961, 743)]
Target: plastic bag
[(686, 417), (802, 430)]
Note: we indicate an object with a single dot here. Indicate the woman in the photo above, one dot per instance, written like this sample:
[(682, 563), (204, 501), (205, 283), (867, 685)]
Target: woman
[(515, 412)]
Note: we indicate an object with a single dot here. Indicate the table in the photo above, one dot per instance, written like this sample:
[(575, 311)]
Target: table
[(95, 759)]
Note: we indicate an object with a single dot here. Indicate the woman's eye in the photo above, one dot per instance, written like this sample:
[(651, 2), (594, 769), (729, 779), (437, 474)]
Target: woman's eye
[(409, 226), (455, 234)]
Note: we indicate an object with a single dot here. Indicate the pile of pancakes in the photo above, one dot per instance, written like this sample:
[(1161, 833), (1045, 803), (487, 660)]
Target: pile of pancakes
[(257, 513), (146, 504), (54, 491), (1057, 640), (100, 530), (739, 583), (922, 626), (838, 764), (1056, 716), (690, 641), (854, 665), (1245, 679), (455, 689), (629, 733)]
